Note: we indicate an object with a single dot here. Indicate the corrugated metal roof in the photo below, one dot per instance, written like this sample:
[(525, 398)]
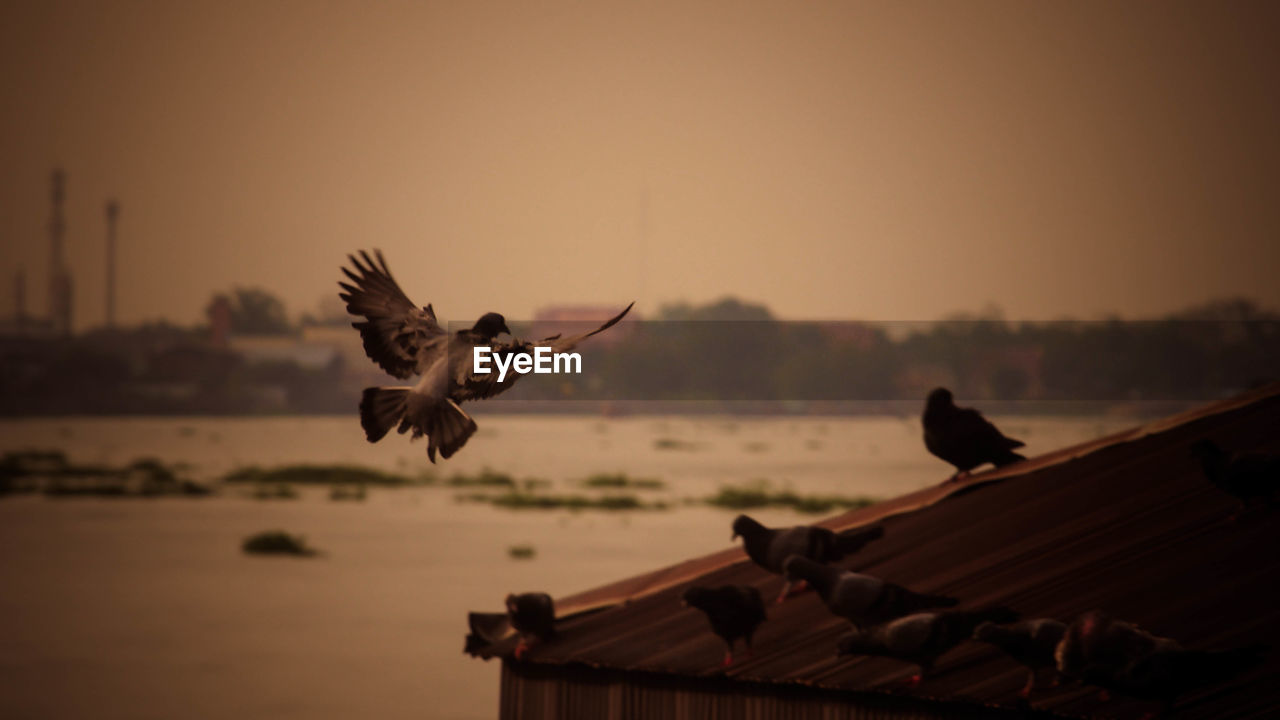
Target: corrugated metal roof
[(1126, 523)]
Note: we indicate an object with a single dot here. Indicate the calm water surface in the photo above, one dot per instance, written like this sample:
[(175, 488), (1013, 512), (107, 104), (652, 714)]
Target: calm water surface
[(147, 609)]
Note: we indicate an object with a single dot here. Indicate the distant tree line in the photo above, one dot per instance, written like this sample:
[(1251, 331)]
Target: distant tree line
[(732, 350), (724, 351)]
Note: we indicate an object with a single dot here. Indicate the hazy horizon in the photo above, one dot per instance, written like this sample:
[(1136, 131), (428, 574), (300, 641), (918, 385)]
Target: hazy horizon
[(878, 161)]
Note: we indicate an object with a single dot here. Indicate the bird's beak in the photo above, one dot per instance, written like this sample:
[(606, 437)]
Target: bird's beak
[(504, 329), (734, 537)]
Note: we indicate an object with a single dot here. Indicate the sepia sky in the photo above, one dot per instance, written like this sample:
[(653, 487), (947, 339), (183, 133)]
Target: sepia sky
[(876, 160)]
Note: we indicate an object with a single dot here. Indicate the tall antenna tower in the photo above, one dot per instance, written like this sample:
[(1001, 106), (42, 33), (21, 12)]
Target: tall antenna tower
[(20, 298), (113, 212), (59, 277)]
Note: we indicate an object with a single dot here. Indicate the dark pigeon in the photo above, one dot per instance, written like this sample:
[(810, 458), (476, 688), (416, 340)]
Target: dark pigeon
[(1246, 477), (863, 600), (1122, 658), (770, 547), (964, 438), (533, 615), (735, 611), (406, 340), (1030, 642), (1173, 671), (920, 638), (1095, 643)]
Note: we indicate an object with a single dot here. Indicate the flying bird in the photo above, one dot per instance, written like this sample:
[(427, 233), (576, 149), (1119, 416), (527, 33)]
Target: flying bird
[(770, 547), (863, 600), (1243, 476), (1030, 642), (964, 438), (920, 638), (405, 340), (533, 615), (1122, 658), (735, 611)]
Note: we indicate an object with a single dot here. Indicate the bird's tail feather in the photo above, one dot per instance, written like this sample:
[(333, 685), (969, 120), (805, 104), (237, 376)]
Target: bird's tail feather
[(447, 428), (913, 602), (974, 618), (380, 409), (851, 541), (1226, 664), (1008, 457)]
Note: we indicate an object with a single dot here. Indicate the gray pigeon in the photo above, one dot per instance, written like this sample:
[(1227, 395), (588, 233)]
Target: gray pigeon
[(770, 547), (533, 615), (735, 611), (1246, 477), (920, 638), (964, 438), (1030, 642), (405, 340), (863, 600)]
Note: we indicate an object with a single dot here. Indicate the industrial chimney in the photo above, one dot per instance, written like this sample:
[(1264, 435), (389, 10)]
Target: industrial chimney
[(113, 212), (59, 277)]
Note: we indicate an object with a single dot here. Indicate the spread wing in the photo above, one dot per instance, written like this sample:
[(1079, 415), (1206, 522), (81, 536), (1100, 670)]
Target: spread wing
[(399, 336), (468, 385)]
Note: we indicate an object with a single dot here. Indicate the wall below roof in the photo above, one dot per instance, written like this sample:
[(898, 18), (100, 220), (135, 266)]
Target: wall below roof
[(537, 691)]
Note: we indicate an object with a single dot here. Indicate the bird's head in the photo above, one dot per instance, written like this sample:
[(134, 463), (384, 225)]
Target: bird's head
[(854, 643), (489, 326), (940, 398), (744, 525), (987, 632), (797, 567), (1207, 451), (693, 596), (1083, 643)]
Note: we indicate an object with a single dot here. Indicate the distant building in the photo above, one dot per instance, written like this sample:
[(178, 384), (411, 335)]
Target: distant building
[(265, 349), (860, 335)]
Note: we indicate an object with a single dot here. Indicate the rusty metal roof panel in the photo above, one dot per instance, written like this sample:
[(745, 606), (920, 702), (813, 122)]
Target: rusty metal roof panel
[(1126, 523)]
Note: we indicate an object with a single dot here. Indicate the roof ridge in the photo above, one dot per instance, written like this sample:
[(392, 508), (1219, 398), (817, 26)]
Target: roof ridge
[(635, 587)]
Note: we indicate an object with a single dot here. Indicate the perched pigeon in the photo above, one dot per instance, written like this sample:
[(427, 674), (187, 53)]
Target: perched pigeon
[(1244, 476), (1099, 644), (1172, 671), (1122, 658), (735, 611), (861, 599), (920, 638), (1030, 642), (405, 340), (964, 438), (769, 547), (533, 615)]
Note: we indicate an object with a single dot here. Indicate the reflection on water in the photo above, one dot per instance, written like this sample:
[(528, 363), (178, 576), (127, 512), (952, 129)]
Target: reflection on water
[(147, 608)]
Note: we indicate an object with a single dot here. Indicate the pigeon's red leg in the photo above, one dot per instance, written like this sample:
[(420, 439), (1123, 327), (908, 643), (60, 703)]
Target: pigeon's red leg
[(1104, 696), (521, 648), (728, 658), (786, 590), (1025, 692)]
